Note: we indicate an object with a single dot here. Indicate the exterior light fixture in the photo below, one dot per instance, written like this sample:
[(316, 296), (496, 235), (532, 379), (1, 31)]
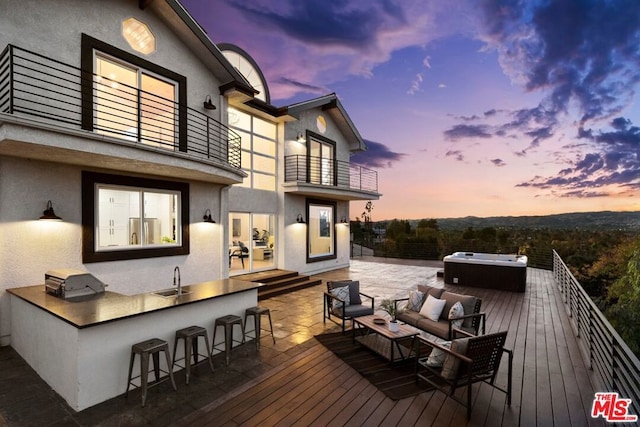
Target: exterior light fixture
[(208, 105), (300, 219), (300, 137), (344, 220), (207, 217), (49, 214)]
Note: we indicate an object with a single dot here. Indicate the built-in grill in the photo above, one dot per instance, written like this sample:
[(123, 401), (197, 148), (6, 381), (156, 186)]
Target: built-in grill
[(71, 283)]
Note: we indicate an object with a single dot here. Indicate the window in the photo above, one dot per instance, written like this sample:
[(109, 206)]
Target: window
[(321, 162), (128, 97), (321, 236), (127, 218), (258, 149)]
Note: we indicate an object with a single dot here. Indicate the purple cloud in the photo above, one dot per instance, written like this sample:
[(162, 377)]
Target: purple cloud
[(377, 156), (458, 132)]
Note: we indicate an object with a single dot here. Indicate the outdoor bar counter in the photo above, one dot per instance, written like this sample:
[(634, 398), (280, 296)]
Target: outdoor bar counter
[(81, 347)]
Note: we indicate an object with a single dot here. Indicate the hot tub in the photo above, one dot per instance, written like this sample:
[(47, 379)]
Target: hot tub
[(495, 271)]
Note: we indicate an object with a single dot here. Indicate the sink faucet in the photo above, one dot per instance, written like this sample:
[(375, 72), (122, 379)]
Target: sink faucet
[(177, 282)]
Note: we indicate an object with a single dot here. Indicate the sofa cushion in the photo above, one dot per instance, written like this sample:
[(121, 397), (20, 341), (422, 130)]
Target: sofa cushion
[(358, 310), (409, 317), (432, 308), (430, 290), (468, 303), (416, 298), (456, 311), (439, 329), (451, 363)]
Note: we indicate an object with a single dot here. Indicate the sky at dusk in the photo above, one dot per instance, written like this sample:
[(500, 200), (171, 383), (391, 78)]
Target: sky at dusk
[(468, 107)]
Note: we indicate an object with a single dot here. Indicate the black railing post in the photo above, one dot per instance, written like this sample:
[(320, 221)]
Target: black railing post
[(11, 79), (208, 140)]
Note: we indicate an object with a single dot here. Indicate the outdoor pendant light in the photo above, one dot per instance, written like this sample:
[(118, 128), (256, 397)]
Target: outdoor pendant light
[(49, 214)]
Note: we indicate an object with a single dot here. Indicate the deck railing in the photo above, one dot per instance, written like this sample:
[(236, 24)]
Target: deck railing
[(33, 85), (328, 172), (614, 364)]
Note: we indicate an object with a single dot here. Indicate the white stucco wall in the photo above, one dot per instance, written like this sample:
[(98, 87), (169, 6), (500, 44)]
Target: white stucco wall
[(31, 247)]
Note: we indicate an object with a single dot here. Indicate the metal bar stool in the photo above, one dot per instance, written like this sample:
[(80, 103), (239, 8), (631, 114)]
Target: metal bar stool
[(257, 313), (190, 336), (151, 347), (227, 322)]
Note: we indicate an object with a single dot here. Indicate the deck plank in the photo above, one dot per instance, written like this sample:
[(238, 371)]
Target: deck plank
[(551, 383)]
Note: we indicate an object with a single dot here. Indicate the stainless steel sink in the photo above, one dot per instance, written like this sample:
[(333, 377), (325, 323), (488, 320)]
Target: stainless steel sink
[(171, 293)]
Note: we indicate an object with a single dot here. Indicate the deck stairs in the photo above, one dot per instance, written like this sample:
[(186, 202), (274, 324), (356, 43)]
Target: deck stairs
[(278, 282)]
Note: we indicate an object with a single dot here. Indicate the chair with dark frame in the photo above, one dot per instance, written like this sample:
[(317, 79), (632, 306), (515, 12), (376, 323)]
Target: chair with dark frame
[(345, 305), (241, 253), (468, 360)]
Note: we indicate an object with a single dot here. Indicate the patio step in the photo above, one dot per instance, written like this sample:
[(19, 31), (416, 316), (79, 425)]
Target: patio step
[(278, 282)]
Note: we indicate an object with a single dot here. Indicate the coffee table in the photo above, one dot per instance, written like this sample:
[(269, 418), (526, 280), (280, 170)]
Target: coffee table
[(378, 337)]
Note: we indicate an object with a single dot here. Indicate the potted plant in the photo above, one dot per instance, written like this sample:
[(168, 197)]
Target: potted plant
[(389, 306)]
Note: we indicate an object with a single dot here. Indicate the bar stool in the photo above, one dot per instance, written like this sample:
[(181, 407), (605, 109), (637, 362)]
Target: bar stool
[(228, 323), (151, 347), (190, 336), (257, 313)]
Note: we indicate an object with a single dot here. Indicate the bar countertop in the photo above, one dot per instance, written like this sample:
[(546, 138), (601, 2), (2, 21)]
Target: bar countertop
[(95, 310)]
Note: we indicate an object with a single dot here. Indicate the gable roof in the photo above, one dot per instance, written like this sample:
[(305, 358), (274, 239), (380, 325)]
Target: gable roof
[(334, 108)]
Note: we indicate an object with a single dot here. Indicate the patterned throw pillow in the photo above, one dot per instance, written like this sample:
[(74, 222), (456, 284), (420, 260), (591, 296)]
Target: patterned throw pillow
[(456, 311), (343, 293), (437, 356), (415, 300)]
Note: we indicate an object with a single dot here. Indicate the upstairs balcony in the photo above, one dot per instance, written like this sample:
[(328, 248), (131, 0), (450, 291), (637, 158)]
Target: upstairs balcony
[(316, 176), (76, 112)]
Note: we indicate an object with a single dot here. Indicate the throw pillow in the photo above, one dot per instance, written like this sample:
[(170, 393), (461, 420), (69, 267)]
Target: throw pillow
[(432, 308), (457, 310), (415, 301), (342, 293), (451, 363), (354, 290), (437, 356)]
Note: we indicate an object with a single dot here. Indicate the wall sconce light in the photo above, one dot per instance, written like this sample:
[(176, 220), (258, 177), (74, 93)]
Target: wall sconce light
[(207, 217), (49, 214), (300, 137), (208, 105), (300, 219), (344, 220)]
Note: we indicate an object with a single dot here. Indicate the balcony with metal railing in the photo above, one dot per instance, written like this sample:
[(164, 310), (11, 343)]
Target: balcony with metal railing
[(36, 88), (318, 176)]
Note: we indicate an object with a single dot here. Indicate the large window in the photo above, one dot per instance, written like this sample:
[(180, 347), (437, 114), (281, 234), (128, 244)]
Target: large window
[(321, 236), (125, 217), (128, 97), (252, 241), (132, 103), (258, 149)]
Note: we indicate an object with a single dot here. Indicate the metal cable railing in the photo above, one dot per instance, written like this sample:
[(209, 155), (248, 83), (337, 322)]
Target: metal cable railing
[(615, 365), (36, 86)]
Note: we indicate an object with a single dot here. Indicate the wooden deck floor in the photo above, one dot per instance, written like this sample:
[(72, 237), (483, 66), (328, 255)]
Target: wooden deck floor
[(551, 384)]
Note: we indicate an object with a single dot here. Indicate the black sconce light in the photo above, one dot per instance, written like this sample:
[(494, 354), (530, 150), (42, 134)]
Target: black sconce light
[(208, 105), (344, 220), (300, 219), (300, 137), (207, 217), (49, 214)]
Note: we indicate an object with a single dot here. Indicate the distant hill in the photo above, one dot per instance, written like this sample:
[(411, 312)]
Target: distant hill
[(605, 220)]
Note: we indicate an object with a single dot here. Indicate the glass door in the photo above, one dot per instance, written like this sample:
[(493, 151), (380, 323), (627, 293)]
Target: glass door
[(321, 162), (252, 242)]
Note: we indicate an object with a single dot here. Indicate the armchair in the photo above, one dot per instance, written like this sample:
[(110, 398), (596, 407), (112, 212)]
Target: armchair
[(468, 360), (343, 300)]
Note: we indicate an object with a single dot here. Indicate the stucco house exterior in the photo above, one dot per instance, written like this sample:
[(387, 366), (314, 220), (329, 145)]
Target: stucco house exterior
[(137, 130)]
